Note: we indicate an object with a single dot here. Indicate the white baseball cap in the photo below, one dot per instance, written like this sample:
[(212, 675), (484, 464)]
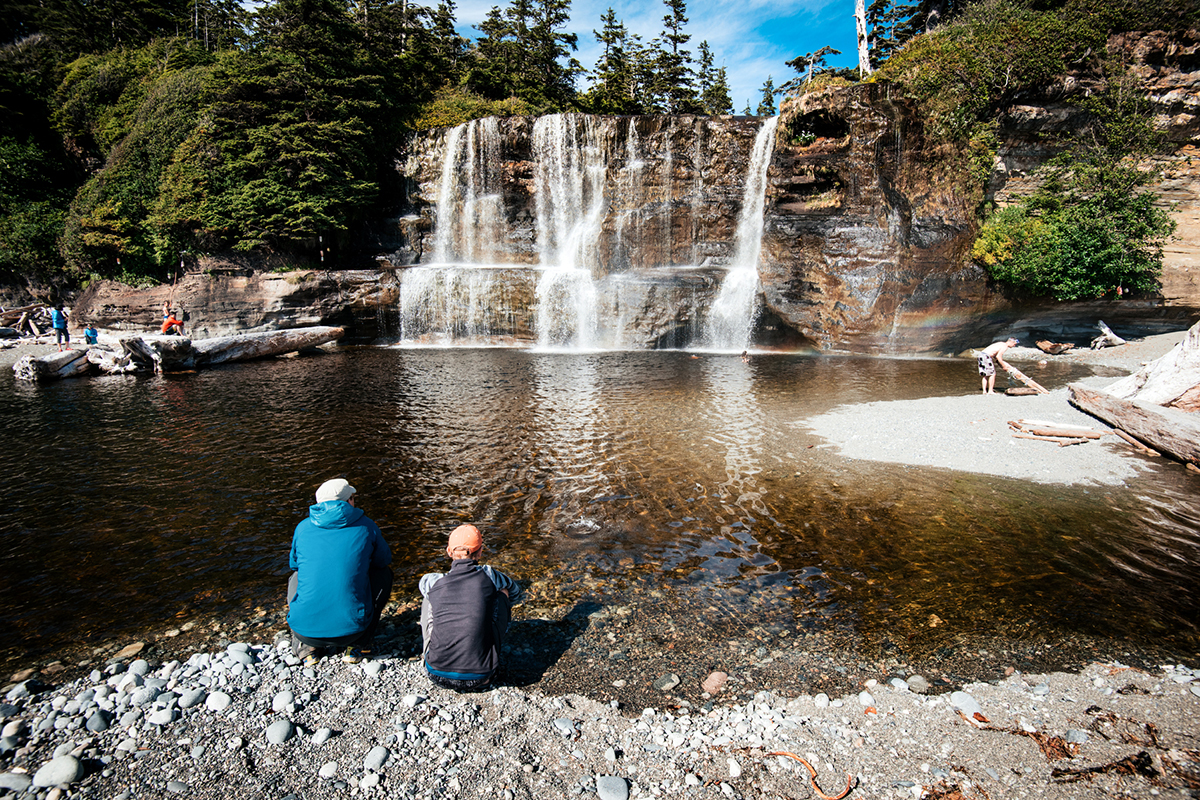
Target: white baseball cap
[(336, 489)]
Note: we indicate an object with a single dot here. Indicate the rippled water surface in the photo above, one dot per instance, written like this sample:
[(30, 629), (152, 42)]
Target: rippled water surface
[(652, 482)]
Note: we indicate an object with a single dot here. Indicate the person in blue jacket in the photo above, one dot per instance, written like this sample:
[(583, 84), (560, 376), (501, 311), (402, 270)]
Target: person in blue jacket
[(58, 321), (342, 578)]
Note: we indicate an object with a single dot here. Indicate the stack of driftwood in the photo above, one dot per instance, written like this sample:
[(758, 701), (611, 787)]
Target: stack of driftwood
[(34, 319), (171, 353), (1155, 407), (1060, 432)]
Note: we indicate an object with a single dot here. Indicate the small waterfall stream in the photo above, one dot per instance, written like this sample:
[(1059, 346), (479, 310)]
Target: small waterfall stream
[(583, 232)]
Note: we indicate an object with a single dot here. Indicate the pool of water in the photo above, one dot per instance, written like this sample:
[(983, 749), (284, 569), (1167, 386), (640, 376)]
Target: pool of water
[(645, 483)]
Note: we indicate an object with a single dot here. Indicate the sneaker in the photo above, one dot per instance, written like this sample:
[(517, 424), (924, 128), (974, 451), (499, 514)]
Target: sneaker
[(311, 660), (353, 654)]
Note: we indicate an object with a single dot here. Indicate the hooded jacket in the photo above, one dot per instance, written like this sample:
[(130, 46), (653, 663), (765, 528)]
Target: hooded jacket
[(332, 551)]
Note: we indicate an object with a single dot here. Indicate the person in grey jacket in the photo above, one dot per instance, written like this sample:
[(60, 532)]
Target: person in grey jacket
[(465, 615)]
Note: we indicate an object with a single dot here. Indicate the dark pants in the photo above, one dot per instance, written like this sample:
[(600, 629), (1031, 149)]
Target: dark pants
[(381, 590)]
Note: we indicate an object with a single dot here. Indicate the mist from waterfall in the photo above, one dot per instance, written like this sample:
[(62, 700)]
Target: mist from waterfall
[(732, 315), (584, 232)]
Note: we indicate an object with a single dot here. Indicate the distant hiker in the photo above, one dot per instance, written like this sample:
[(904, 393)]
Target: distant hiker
[(172, 324), (745, 357), (58, 321), (988, 358), (342, 577), (90, 334), (465, 615)]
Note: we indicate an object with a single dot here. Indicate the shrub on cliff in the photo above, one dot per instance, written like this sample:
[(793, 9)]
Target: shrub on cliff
[(456, 105), (1091, 229)]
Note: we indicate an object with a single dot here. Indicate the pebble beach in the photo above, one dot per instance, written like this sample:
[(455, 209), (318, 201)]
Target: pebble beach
[(226, 711)]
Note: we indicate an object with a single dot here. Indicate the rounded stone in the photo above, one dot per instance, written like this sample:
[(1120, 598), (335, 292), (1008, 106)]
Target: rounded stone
[(218, 702), (281, 701), (280, 731), (16, 782), (376, 758), (58, 771), (177, 787), (99, 722), (322, 735), (328, 770), (192, 697), (612, 787), (918, 684)]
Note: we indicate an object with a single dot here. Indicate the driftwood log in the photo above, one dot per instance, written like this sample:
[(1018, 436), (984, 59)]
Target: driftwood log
[(1106, 338), (67, 364), (1028, 381), (1167, 430), (173, 353), (1173, 380), (1053, 348), (169, 353)]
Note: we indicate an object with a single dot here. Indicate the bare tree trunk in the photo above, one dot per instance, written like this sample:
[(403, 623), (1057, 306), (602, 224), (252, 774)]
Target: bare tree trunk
[(864, 48)]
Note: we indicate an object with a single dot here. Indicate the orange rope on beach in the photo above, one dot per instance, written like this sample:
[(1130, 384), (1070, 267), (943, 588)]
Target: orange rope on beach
[(812, 776)]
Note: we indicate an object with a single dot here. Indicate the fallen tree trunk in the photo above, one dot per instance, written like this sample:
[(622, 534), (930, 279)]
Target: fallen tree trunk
[(172, 353), (66, 364), (1173, 380), (246, 346), (1167, 430), (1053, 348), (110, 363), (1028, 381)]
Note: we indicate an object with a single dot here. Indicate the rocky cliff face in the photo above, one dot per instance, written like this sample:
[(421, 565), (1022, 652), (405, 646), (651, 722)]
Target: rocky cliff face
[(218, 305), (867, 230)]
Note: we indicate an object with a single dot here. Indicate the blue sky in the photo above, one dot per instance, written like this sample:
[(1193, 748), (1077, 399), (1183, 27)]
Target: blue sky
[(751, 38)]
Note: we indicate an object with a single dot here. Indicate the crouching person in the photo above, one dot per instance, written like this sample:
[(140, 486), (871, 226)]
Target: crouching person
[(342, 577), (465, 614)]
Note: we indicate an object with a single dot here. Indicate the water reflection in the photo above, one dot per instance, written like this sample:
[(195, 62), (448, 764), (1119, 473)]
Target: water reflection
[(655, 483)]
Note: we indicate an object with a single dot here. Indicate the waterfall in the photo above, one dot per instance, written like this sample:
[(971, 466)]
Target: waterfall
[(584, 232), (733, 313), (569, 191)]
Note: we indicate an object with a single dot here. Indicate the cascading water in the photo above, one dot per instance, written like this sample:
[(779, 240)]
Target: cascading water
[(731, 318), (585, 232), (569, 187)]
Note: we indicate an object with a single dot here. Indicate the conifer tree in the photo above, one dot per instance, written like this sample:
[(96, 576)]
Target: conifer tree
[(675, 62), (766, 106), (713, 84), (613, 80)]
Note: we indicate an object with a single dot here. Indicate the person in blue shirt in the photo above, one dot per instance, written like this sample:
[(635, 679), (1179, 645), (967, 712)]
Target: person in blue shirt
[(342, 578), (465, 615), (58, 321), (90, 334)]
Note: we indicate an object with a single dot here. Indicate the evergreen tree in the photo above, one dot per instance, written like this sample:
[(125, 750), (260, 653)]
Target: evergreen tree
[(807, 65), (520, 55), (613, 80), (713, 84), (675, 63), (766, 106)]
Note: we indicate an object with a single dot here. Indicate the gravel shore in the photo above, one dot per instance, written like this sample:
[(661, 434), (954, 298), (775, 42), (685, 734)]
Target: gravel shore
[(250, 721), (212, 717)]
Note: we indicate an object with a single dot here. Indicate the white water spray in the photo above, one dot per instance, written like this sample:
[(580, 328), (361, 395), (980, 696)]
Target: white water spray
[(732, 316)]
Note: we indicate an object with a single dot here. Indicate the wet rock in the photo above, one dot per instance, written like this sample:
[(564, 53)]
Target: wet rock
[(714, 682), (667, 682), (129, 651)]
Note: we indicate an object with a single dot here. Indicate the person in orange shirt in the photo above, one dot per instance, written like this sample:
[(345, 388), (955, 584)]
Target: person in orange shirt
[(172, 324)]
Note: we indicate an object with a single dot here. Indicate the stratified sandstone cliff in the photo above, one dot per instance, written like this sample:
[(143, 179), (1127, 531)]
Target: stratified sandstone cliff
[(869, 227)]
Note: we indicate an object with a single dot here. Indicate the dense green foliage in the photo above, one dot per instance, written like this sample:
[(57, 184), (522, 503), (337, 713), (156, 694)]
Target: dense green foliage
[(136, 134), (1090, 230)]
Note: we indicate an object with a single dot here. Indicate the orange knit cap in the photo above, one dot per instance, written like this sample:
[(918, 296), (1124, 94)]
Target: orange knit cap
[(465, 541)]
